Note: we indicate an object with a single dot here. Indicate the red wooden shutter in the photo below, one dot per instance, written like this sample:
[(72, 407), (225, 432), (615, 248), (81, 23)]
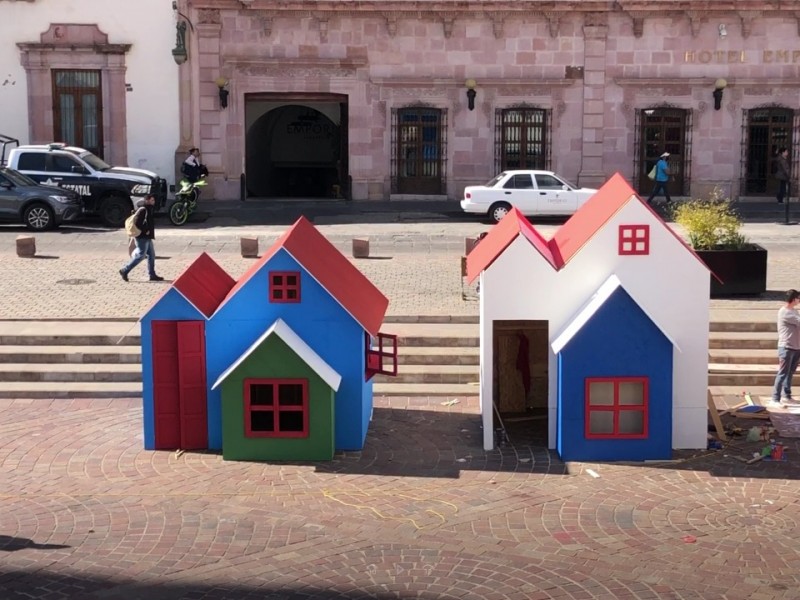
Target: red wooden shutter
[(192, 383), (382, 361), (166, 392)]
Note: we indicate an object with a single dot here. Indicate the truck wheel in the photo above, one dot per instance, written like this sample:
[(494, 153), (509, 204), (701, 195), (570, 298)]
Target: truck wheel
[(499, 210), (39, 217), (114, 210)]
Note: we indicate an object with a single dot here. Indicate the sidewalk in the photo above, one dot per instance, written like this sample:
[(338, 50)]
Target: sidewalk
[(415, 263)]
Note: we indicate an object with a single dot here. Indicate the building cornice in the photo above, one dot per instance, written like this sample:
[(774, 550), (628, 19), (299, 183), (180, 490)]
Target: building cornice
[(447, 12), (703, 82)]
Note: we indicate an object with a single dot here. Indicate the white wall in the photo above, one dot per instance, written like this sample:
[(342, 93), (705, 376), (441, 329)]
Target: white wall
[(152, 106), (671, 285)]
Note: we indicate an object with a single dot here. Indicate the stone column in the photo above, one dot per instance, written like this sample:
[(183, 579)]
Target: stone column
[(595, 34)]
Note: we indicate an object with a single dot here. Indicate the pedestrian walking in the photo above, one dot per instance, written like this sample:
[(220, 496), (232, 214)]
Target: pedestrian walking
[(788, 347), (662, 174), (782, 174), (145, 222)]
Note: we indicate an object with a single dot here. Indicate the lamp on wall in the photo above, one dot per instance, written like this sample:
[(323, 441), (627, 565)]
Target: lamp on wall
[(222, 84), (723, 30), (471, 93), (179, 54), (719, 85)]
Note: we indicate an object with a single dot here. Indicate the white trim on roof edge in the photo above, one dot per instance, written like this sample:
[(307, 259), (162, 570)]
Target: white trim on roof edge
[(296, 343), (597, 300)]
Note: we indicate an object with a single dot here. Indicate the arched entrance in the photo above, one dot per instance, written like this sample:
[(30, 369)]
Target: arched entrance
[(296, 148)]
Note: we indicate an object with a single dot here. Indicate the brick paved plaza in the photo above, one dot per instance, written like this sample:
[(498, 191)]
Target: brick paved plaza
[(421, 512)]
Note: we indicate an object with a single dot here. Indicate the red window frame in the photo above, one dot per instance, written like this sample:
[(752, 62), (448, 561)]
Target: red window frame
[(276, 408), (278, 285), (380, 361), (616, 408), (634, 240)]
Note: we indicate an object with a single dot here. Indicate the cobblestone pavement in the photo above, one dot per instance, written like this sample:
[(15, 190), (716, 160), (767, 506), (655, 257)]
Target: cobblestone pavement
[(421, 512), (416, 264)]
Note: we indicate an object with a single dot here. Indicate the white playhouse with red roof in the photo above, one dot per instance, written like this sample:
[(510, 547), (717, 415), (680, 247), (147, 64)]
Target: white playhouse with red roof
[(601, 332)]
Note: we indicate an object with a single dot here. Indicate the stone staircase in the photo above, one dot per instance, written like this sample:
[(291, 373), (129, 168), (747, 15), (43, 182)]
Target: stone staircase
[(85, 359), (742, 357)]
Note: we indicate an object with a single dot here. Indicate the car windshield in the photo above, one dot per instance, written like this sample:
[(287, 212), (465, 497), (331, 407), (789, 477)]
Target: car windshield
[(16, 177), (494, 180), (97, 163), (569, 183)]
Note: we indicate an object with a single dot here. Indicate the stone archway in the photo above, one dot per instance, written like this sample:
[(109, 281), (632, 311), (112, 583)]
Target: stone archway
[(294, 150)]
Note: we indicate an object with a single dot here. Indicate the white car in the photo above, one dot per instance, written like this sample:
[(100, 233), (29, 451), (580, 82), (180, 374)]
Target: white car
[(531, 192)]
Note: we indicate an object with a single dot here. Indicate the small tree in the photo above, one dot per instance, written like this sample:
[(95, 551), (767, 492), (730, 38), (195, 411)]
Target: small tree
[(711, 223)]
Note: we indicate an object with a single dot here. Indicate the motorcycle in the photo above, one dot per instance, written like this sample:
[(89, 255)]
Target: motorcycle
[(185, 201)]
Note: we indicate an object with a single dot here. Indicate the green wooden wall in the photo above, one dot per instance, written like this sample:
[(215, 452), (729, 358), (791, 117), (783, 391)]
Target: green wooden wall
[(274, 359)]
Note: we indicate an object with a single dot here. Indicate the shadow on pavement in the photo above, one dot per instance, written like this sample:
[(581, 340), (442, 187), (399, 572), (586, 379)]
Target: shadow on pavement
[(9, 543), (19, 585)]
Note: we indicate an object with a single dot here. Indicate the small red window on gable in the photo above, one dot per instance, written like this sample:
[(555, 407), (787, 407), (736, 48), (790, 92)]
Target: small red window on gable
[(616, 408), (634, 239), (383, 359), (284, 286)]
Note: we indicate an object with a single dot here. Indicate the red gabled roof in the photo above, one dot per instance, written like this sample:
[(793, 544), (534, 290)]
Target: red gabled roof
[(570, 237), (590, 218), (205, 284), (331, 269), (499, 238)]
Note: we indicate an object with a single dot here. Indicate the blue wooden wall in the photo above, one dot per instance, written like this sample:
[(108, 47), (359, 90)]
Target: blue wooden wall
[(619, 340), (318, 319)]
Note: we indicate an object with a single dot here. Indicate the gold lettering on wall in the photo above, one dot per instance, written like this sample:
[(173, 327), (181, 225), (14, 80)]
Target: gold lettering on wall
[(767, 57)]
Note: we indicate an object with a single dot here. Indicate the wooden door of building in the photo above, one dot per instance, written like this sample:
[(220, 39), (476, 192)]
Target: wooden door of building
[(179, 385), (767, 130), (419, 151), (664, 130)]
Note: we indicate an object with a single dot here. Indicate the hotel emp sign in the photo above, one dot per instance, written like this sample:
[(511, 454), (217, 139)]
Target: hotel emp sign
[(765, 57)]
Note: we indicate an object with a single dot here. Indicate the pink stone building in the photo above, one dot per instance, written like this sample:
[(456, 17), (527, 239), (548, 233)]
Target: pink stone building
[(418, 98)]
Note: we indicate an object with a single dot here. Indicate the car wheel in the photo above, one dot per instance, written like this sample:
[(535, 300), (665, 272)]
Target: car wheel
[(114, 210), (38, 217), (499, 210)]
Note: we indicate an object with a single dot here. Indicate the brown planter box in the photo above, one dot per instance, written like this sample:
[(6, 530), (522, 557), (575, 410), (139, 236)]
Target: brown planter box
[(742, 272)]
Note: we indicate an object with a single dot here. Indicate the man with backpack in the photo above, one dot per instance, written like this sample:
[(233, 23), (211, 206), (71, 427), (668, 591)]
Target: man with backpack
[(141, 226)]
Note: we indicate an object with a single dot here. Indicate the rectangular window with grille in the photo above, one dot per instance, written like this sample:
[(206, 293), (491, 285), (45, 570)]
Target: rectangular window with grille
[(522, 139), (419, 150), (78, 109)]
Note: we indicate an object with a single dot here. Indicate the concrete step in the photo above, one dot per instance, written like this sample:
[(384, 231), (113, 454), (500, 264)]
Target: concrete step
[(70, 389), (745, 326), (742, 340), (744, 356), (425, 389), (70, 354), (438, 335), (69, 333), (741, 374), (432, 374), (68, 372), (453, 355)]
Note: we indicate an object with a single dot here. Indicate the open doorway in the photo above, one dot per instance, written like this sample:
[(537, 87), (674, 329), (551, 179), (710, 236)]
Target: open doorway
[(520, 376), (296, 147)]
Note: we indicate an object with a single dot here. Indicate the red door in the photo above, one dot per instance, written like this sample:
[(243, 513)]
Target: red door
[(179, 385)]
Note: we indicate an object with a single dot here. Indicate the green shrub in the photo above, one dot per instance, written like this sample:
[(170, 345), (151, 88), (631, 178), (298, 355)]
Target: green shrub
[(711, 223)]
